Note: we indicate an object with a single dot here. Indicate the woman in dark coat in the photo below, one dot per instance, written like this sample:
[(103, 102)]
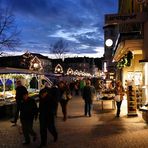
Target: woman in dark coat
[(119, 90), (64, 92)]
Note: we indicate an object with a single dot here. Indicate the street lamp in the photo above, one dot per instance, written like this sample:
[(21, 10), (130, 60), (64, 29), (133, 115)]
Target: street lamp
[(109, 42)]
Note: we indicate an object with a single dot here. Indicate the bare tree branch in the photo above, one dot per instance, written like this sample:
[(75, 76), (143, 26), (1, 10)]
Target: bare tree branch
[(8, 31), (59, 48)]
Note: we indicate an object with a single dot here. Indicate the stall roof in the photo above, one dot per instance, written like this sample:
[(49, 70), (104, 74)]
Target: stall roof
[(8, 70)]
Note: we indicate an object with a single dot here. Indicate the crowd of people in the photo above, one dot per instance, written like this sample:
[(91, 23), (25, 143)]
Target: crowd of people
[(49, 98)]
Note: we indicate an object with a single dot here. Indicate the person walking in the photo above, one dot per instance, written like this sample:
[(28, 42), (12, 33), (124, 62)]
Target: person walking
[(47, 109), (119, 93), (18, 97), (28, 112), (64, 93), (55, 96), (88, 95)]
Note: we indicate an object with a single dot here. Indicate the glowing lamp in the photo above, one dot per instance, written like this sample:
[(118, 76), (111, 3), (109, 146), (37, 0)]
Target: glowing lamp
[(109, 42), (36, 65)]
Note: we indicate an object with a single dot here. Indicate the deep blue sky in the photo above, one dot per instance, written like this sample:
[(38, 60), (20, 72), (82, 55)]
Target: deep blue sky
[(78, 22)]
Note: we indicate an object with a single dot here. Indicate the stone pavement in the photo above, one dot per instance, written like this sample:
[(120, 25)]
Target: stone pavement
[(102, 130)]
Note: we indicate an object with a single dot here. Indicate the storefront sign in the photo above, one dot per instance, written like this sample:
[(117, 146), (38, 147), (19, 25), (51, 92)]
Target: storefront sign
[(115, 18)]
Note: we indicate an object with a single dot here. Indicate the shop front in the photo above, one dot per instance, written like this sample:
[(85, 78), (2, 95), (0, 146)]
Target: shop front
[(127, 56), (130, 52)]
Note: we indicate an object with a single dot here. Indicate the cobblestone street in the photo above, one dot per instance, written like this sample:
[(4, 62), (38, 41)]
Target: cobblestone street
[(102, 130)]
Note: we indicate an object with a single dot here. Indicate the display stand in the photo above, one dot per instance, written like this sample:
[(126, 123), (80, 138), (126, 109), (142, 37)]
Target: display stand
[(132, 101), (139, 97)]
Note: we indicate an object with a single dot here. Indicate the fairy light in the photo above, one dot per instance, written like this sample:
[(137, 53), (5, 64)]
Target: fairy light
[(58, 69)]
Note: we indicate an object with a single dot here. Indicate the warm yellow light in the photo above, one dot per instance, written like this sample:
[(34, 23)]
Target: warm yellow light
[(146, 73), (35, 65), (58, 69), (146, 79), (105, 67)]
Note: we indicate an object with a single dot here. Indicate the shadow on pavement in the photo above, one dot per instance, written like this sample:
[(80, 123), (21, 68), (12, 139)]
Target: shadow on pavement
[(75, 116)]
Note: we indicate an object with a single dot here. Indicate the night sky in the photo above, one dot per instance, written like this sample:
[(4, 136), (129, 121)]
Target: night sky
[(78, 22)]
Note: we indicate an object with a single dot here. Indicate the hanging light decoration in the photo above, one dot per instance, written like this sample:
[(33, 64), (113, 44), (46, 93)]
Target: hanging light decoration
[(35, 64), (76, 72), (58, 69), (70, 71)]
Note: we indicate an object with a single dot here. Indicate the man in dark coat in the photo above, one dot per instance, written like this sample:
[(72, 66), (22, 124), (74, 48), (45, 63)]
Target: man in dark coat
[(87, 95), (28, 112), (20, 89), (47, 109)]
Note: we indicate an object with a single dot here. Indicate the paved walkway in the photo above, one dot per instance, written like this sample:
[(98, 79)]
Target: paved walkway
[(102, 130)]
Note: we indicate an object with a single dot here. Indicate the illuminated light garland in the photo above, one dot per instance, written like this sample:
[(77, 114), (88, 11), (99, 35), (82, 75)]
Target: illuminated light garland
[(70, 71), (125, 61), (58, 69), (35, 64), (76, 72)]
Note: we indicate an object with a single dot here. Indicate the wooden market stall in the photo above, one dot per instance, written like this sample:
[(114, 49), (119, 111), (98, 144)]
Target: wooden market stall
[(32, 80)]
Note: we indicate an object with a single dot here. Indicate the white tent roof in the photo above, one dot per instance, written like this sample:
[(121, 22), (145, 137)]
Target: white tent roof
[(8, 70)]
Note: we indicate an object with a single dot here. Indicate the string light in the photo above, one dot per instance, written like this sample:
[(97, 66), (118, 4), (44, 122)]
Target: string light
[(58, 69)]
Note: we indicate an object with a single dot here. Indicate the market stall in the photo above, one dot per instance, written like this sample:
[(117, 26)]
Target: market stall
[(32, 80)]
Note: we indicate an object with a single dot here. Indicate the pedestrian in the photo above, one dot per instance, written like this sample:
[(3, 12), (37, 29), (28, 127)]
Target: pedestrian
[(64, 99), (47, 109), (18, 97), (76, 88), (28, 112), (88, 96), (82, 84), (55, 96), (119, 93)]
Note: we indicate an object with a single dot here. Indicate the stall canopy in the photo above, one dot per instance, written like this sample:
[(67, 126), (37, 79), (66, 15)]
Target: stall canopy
[(8, 70)]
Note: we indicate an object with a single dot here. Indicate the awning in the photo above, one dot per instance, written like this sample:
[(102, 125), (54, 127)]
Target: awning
[(8, 70), (123, 47), (143, 61)]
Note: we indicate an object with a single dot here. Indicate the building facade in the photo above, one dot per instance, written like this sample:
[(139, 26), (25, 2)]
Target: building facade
[(131, 47)]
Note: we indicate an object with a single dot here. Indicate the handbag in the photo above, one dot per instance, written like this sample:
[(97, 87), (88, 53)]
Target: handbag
[(69, 96), (66, 96), (117, 98)]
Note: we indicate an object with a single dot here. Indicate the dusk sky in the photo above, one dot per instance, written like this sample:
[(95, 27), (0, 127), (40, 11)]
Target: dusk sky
[(78, 22)]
